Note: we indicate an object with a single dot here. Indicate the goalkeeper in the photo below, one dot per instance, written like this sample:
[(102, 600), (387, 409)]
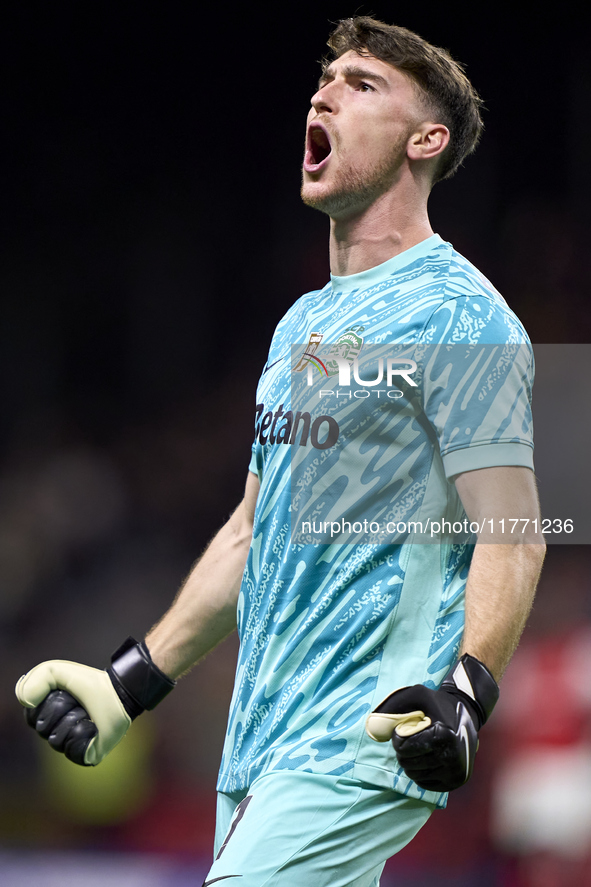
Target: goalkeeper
[(365, 671)]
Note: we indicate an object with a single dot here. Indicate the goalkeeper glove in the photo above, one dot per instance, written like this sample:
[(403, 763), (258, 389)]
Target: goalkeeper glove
[(84, 712), (435, 732)]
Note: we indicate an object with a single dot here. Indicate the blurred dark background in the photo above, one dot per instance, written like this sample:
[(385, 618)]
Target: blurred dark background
[(152, 238)]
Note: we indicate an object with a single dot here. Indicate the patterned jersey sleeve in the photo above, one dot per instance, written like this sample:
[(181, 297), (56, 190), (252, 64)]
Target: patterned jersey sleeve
[(477, 377)]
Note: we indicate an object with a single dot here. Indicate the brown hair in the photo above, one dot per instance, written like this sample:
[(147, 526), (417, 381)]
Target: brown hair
[(442, 84)]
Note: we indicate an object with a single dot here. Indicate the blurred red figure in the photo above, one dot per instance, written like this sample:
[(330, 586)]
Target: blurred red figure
[(541, 801)]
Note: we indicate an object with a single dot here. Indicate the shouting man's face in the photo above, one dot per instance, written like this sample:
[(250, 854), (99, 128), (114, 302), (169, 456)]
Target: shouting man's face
[(361, 120)]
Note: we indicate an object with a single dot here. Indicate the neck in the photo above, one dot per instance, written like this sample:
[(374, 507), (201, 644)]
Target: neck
[(376, 233)]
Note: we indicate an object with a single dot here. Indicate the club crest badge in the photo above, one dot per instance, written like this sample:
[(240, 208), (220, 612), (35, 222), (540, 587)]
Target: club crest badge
[(347, 346)]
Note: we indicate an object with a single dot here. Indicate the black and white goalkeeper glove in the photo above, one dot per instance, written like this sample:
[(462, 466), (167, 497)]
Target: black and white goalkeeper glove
[(84, 712), (435, 732)]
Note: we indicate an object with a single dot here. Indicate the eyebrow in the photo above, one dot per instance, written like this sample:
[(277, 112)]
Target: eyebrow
[(352, 71)]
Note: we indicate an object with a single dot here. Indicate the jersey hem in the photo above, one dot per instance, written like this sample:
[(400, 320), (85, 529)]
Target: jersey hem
[(394, 780)]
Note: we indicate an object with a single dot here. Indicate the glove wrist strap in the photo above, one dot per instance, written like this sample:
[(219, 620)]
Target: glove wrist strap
[(137, 679), (470, 678)]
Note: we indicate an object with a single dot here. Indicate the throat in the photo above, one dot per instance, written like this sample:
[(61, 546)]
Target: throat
[(355, 247)]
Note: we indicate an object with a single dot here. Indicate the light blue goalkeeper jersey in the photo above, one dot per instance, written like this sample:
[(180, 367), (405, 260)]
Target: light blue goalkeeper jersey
[(331, 624)]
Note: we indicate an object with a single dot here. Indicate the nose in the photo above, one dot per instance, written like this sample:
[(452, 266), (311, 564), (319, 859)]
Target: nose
[(324, 99)]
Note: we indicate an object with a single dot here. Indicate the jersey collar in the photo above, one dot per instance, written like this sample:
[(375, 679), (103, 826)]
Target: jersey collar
[(365, 279)]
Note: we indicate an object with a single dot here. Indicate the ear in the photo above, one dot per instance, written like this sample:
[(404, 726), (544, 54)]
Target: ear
[(428, 141)]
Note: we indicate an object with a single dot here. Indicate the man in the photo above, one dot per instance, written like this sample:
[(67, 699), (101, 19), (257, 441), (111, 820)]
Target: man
[(330, 629)]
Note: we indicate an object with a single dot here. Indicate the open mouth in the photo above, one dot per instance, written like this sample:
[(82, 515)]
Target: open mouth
[(318, 147)]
